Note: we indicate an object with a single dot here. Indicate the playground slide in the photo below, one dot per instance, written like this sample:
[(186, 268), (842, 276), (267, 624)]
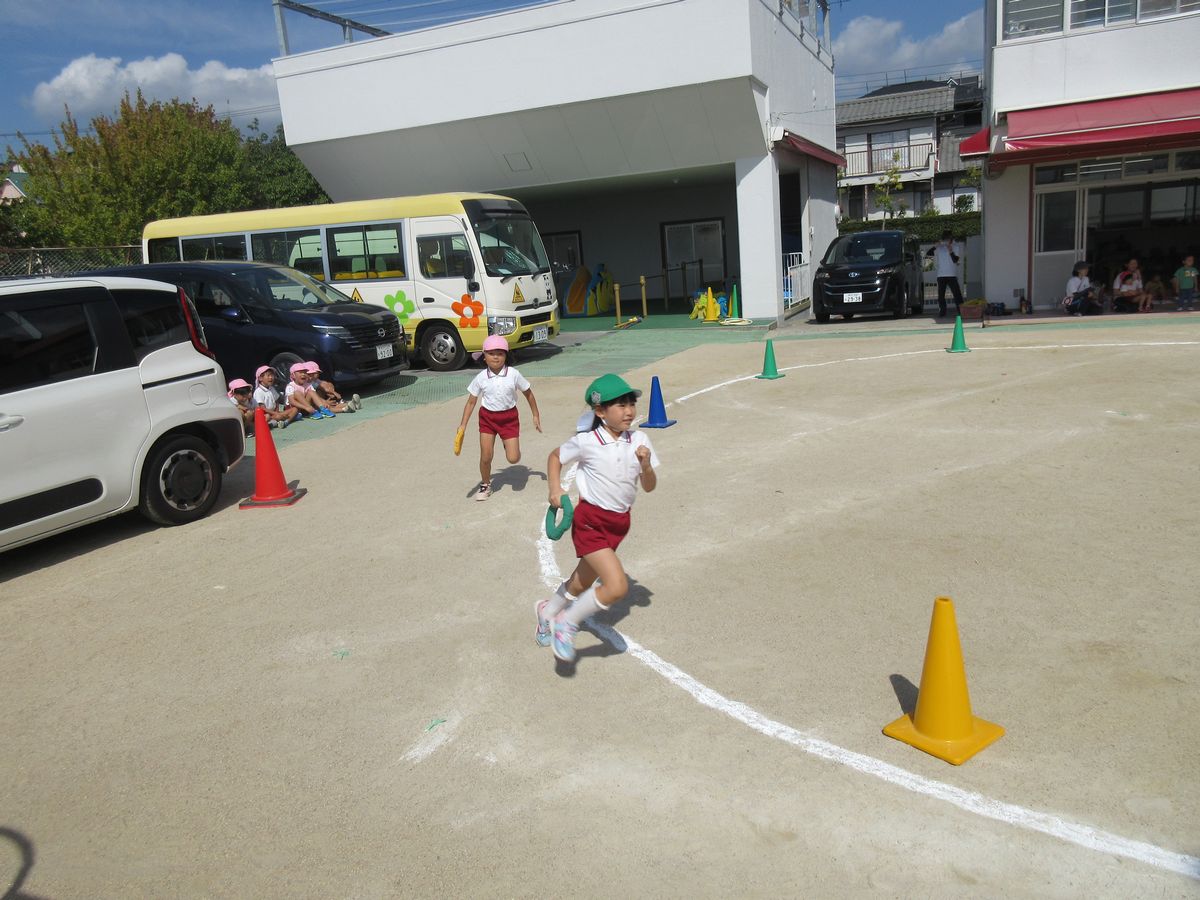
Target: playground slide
[(577, 295)]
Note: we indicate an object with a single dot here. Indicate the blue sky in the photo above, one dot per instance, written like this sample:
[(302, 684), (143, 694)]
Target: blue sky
[(85, 53)]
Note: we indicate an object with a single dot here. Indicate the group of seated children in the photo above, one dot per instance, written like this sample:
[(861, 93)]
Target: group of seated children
[(1129, 293), (307, 395)]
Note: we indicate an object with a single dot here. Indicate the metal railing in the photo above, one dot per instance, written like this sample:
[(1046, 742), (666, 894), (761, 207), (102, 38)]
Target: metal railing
[(871, 162), (17, 261)]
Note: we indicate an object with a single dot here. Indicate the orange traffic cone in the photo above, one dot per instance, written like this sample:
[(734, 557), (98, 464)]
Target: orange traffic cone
[(270, 487), (942, 724)]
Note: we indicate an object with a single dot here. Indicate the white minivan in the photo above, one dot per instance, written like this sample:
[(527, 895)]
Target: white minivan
[(109, 400)]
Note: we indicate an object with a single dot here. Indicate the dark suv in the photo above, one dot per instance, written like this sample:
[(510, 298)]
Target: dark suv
[(869, 272), (256, 313)]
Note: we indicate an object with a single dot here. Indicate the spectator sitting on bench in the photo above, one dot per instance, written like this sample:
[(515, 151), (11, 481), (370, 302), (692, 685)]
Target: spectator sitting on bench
[(1081, 296), (1128, 293)]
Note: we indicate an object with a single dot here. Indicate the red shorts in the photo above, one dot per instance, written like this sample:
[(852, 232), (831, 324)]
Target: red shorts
[(594, 528), (507, 423)]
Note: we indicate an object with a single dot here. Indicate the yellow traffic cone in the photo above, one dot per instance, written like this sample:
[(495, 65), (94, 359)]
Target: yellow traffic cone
[(942, 724), (712, 312)]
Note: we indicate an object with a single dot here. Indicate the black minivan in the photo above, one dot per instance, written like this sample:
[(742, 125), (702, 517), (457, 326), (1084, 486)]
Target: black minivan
[(869, 272), (259, 313)]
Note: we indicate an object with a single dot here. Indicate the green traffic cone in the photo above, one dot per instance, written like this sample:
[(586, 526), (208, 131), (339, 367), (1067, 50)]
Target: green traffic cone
[(769, 370), (959, 343), (733, 304)]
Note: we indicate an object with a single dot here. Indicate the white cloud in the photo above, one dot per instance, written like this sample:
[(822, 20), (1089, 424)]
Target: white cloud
[(92, 85), (869, 44)]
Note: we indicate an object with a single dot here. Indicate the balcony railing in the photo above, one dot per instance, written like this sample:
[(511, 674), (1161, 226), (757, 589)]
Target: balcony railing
[(871, 162)]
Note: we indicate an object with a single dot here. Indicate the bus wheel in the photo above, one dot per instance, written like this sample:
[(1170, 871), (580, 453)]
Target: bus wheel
[(442, 349)]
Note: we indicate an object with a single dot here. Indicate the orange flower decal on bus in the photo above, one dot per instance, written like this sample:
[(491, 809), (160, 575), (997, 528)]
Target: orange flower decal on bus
[(468, 310)]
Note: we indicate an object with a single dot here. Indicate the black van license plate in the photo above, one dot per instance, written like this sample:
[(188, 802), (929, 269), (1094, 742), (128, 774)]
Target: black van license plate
[(384, 351)]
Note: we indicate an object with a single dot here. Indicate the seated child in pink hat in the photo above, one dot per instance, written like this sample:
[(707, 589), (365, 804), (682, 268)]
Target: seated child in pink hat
[(267, 396), (328, 393), (239, 395), (301, 395)]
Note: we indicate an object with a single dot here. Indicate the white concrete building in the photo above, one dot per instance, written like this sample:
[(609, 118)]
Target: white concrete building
[(1092, 141), (639, 133)]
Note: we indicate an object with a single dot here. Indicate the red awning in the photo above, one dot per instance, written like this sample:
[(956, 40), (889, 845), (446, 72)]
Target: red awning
[(1167, 116), (977, 144), (802, 145)]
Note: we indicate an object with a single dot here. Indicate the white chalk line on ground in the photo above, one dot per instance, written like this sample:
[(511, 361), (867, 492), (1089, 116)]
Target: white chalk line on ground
[(848, 359), (1085, 836)]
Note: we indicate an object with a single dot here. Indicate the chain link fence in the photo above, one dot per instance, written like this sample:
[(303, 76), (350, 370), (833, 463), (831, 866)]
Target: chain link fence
[(25, 261)]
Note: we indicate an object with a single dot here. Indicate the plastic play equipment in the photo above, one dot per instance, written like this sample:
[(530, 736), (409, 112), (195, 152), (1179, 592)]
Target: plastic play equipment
[(600, 294), (577, 293), (555, 527)]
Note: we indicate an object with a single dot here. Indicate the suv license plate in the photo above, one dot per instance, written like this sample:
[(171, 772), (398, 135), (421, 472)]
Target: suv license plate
[(384, 351), (541, 333), (852, 298)]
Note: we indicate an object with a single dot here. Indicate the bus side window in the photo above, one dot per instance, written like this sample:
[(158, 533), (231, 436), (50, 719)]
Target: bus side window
[(429, 251)]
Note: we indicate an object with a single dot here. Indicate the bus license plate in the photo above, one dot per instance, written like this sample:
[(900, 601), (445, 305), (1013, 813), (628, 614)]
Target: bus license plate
[(541, 333), (384, 351), (852, 298)]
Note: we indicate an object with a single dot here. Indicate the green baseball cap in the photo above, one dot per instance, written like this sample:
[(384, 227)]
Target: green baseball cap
[(607, 388)]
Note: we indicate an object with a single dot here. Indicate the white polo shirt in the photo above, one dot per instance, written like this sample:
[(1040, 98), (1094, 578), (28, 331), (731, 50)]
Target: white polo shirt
[(266, 397), (498, 391), (608, 467)]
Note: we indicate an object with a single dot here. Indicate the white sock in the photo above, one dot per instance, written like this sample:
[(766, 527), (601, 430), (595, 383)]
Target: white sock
[(585, 605), (558, 601)]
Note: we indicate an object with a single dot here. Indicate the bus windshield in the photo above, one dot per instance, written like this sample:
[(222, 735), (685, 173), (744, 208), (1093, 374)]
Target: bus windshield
[(282, 288), (511, 246)]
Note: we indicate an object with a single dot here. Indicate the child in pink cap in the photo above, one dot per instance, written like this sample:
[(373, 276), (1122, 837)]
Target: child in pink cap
[(328, 393), (239, 395), (267, 396), (496, 389), (301, 395)]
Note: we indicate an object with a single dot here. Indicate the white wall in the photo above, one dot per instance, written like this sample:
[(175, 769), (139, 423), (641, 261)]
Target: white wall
[(1092, 65), (557, 54), (1006, 235), (800, 82)]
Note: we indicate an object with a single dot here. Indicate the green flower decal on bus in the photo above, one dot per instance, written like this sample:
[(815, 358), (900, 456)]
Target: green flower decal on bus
[(400, 305)]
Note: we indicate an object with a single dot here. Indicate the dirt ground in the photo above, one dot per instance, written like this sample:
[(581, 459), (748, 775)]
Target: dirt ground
[(344, 699)]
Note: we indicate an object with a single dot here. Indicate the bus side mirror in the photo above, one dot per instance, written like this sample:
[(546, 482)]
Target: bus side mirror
[(472, 286)]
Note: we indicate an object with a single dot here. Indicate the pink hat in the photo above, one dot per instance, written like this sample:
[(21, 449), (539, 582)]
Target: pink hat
[(258, 372), (298, 367), (313, 366), (491, 342), (236, 384)]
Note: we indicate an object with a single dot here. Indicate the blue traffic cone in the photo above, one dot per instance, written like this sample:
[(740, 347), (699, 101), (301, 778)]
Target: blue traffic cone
[(658, 411)]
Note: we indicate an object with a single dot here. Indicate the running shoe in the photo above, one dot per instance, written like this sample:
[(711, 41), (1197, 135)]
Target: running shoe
[(326, 413), (544, 628), (485, 491), (563, 639), (356, 402)]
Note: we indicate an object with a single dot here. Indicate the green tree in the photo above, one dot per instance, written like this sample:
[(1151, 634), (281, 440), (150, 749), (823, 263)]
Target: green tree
[(274, 174), (154, 160), (889, 184)]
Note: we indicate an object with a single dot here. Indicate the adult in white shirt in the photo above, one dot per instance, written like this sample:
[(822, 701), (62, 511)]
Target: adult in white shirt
[(1081, 297), (1128, 293), (945, 258)]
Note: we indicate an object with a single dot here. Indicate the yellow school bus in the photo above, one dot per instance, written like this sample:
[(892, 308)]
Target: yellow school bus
[(454, 268)]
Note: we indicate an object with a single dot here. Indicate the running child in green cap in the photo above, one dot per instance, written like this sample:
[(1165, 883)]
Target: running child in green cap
[(613, 461)]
